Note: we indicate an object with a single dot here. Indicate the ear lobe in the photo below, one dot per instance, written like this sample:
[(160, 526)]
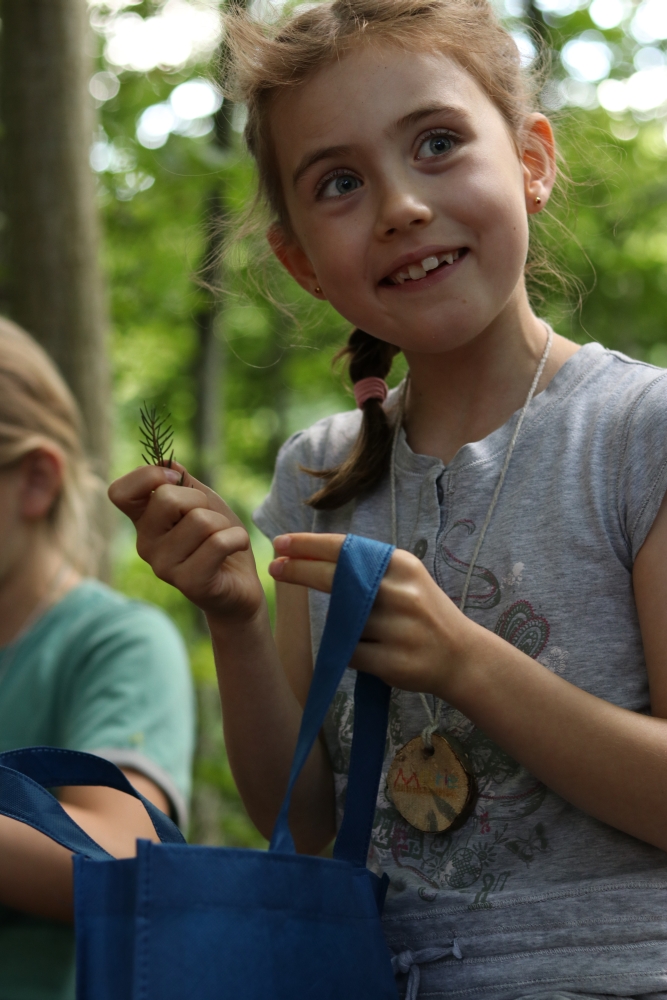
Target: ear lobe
[(42, 474), (293, 258), (539, 163)]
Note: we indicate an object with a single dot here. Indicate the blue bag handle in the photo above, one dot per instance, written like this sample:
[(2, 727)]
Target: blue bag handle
[(25, 776), (361, 566)]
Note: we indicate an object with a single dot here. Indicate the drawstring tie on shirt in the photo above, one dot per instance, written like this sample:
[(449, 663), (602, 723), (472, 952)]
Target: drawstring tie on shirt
[(409, 962)]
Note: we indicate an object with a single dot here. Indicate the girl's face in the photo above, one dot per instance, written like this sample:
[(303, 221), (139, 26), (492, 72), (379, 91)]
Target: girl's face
[(407, 197)]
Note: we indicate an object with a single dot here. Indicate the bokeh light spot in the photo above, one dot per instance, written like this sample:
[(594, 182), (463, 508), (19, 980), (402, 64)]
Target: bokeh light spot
[(155, 125), (195, 99), (587, 58), (608, 14), (103, 86), (650, 22)]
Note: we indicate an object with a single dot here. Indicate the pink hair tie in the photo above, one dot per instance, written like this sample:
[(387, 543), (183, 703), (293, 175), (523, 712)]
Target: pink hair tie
[(370, 388)]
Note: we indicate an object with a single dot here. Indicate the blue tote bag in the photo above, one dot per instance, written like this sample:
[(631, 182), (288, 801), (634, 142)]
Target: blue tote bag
[(182, 922)]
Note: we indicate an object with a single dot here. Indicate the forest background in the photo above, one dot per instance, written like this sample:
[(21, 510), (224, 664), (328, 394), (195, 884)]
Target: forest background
[(236, 373)]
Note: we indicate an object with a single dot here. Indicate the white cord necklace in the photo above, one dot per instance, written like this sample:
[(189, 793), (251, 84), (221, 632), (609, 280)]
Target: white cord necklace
[(423, 796)]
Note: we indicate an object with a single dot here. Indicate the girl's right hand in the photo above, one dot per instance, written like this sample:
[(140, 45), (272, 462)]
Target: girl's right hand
[(192, 540)]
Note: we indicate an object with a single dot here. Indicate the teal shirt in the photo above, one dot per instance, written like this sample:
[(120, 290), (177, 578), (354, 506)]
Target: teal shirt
[(107, 675)]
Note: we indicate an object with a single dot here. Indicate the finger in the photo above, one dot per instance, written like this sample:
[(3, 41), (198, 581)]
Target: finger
[(313, 573), (215, 502), (131, 493), (308, 545), (166, 507), (203, 566), (177, 545)]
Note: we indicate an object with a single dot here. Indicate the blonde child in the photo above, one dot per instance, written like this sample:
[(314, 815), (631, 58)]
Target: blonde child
[(81, 667), (522, 619)]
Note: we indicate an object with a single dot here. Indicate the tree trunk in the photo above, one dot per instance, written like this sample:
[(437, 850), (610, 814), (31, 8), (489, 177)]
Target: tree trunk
[(54, 288)]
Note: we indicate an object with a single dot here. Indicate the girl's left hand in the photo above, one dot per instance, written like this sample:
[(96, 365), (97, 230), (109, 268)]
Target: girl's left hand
[(415, 639)]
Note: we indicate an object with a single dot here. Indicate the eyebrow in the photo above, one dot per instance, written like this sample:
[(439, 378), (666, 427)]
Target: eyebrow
[(413, 118), (320, 154)]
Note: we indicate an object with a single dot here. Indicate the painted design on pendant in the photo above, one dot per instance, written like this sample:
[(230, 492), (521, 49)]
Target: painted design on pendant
[(431, 787)]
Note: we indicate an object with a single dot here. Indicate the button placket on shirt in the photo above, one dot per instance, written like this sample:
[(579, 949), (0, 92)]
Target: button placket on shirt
[(444, 490)]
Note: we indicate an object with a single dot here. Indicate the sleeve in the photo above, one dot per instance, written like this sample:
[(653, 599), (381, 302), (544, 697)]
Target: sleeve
[(642, 477), (130, 698), (285, 507)]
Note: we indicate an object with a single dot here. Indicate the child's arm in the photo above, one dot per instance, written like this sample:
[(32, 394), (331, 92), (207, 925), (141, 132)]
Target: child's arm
[(36, 873), (196, 543), (606, 760)]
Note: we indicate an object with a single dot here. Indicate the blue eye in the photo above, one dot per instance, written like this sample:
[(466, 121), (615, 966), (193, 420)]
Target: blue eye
[(337, 186), (435, 145)]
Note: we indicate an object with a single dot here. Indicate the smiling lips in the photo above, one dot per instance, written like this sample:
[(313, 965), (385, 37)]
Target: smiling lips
[(418, 270)]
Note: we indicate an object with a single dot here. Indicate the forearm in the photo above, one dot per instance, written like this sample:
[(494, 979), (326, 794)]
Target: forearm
[(36, 873), (261, 719), (606, 760)]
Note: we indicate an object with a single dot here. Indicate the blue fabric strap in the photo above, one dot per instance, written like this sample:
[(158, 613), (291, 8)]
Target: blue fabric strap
[(361, 565), (371, 708), (25, 776)]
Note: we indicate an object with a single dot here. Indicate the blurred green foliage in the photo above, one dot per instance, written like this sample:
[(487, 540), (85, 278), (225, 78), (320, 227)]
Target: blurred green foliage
[(609, 232)]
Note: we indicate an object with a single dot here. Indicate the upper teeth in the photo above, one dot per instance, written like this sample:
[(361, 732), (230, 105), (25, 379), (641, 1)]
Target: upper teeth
[(416, 271)]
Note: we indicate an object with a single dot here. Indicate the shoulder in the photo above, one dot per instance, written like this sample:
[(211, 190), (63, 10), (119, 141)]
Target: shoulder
[(624, 416), (609, 397), (100, 618), (643, 391), (630, 401), (93, 599), (320, 447), (624, 384), (324, 444)]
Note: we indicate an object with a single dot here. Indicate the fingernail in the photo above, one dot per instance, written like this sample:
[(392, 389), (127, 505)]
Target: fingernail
[(172, 476), (276, 568), (282, 543)]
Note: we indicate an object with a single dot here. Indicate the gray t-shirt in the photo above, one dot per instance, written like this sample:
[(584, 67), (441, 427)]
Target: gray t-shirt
[(534, 894)]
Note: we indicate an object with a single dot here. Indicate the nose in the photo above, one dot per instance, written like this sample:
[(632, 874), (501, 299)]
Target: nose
[(401, 208)]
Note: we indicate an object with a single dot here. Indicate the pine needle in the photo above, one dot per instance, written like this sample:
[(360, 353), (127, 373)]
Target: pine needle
[(156, 437)]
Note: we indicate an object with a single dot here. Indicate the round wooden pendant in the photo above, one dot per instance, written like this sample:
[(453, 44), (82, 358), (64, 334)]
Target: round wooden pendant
[(431, 788)]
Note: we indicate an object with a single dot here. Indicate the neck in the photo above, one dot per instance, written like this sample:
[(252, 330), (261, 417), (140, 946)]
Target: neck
[(467, 393), (29, 582)]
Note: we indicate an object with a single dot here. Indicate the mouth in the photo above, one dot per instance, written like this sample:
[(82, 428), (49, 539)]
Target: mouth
[(421, 269)]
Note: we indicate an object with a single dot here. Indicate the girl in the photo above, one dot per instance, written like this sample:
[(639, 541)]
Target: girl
[(80, 667), (521, 623)]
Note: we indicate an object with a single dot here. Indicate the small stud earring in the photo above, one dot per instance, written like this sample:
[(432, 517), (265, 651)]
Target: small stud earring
[(538, 201), (318, 290)]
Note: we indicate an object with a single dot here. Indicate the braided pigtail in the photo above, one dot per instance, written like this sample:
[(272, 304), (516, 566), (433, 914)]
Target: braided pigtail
[(368, 462)]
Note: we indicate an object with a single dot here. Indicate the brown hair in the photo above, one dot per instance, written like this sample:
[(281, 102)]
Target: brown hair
[(37, 410), (265, 59)]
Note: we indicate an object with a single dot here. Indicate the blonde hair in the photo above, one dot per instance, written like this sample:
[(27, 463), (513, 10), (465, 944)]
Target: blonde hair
[(37, 410), (265, 60)]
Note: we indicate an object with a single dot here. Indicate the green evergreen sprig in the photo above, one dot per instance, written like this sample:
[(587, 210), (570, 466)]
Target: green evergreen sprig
[(156, 438)]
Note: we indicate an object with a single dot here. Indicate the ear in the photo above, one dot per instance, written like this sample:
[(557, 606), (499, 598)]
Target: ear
[(42, 472), (294, 259), (538, 162)]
